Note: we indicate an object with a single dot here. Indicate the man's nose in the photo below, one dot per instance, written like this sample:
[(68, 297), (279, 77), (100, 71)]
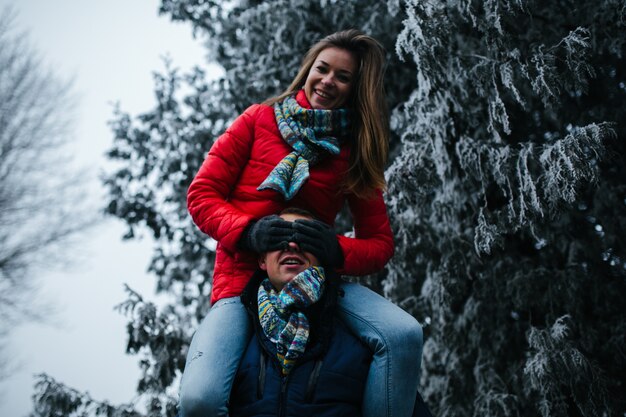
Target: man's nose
[(293, 247)]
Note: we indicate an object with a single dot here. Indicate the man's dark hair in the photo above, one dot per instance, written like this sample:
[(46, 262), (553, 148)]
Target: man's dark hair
[(298, 211)]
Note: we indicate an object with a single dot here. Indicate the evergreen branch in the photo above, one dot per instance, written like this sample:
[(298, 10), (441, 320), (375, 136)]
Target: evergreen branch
[(54, 399), (557, 370)]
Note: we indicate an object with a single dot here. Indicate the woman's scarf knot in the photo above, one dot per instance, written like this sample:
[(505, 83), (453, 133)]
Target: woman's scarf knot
[(311, 133)]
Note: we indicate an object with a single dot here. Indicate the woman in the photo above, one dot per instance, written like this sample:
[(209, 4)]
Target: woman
[(321, 143)]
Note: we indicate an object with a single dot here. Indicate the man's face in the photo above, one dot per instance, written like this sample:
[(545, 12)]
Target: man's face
[(283, 265)]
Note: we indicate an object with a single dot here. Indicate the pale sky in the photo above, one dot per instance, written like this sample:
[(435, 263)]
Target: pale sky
[(110, 48)]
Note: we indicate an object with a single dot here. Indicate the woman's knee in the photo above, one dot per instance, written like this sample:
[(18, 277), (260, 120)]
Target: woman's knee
[(378, 322), (404, 332), (414, 332)]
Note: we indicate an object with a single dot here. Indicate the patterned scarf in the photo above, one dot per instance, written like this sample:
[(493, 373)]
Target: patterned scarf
[(281, 316), (311, 133)]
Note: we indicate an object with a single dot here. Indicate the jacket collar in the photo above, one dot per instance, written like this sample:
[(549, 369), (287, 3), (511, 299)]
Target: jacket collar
[(302, 100)]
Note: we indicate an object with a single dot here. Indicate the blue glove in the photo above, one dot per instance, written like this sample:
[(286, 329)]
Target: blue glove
[(319, 239), (267, 234)]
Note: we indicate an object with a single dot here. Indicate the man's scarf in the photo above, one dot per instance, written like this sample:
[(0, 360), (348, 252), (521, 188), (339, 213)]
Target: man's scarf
[(311, 133), (281, 316)]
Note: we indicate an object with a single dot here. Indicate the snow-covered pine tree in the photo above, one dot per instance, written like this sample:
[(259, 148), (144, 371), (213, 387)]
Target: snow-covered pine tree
[(508, 200)]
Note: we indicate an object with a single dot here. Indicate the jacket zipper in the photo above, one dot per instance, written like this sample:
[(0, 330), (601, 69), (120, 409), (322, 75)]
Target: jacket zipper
[(282, 399), (261, 378), (315, 373)]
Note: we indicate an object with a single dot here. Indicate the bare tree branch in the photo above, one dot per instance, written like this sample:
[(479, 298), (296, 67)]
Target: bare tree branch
[(42, 194)]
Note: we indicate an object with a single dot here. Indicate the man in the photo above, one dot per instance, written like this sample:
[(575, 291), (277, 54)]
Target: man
[(302, 361)]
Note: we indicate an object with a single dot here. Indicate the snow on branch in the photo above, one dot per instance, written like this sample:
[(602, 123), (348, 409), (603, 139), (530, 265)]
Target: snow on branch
[(52, 397), (533, 180), (160, 337), (557, 371)]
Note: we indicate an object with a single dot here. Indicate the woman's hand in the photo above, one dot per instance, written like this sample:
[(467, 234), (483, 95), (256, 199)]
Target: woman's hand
[(319, 239), (267, 234)]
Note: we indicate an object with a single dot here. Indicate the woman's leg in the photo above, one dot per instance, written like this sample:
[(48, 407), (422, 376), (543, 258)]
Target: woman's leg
[(213, 358), (395, 338)]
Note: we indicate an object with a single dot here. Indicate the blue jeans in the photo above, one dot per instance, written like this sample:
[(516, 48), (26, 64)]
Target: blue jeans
[(393, 336), (213, 359), (395, 339)]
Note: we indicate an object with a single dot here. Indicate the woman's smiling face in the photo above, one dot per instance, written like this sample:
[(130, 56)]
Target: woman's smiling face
[(331, 78)]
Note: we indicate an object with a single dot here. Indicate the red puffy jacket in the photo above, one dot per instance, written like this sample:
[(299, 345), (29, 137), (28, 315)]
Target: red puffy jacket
[(223, 199)]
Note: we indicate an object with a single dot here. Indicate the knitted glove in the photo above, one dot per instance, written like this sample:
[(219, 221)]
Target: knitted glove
[(319, 239), (267, 234)]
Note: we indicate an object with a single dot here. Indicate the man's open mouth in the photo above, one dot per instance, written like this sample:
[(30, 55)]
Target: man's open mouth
[(291, 260)]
